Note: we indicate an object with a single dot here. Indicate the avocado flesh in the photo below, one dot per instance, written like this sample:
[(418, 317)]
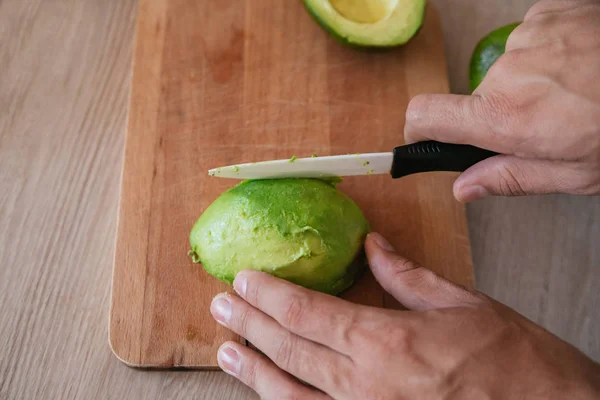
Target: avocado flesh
[(302, 230), (369, 23), (364, 11)]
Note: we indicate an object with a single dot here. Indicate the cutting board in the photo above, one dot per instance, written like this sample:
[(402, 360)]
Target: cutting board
[(218, 82)]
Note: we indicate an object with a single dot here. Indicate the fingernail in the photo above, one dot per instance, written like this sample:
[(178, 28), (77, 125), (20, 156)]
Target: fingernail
[(229, 360), (471, 193), (381, 241), (240, 283), (220, 308)]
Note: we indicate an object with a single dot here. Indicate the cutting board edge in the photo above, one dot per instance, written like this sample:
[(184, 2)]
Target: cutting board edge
[(137, 82)]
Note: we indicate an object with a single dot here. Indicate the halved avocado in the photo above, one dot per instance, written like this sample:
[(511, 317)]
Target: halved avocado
[(369, 23), (303, 230)]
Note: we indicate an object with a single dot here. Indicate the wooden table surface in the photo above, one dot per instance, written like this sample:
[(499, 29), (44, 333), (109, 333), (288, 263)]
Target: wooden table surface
[(63, 94)]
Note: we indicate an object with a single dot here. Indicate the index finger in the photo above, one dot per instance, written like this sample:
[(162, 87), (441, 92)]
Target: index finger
[(318, 317), (451, 118)]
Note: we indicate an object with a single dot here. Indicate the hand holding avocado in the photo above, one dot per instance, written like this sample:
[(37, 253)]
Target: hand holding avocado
[(452, 344), (539, 105)]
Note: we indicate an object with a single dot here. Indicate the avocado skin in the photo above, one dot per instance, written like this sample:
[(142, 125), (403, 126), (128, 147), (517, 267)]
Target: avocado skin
[(487, 52), (260, 223), (360, 46)]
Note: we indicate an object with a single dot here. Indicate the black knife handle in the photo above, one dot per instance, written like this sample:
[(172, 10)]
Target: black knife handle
[(436, 156)]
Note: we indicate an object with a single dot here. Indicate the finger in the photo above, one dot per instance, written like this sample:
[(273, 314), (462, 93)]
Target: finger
[(457, 119), (513, 176), (415, 287), (318, 317), (524, 36), (261, 375), (550, 7), (309, 361), (557, 25)]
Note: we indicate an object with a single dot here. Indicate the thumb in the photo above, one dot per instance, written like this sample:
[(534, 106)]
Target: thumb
[(513, 176), (417, 288)]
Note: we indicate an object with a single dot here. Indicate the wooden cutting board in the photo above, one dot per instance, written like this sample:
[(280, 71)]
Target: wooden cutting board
[(218, 82)]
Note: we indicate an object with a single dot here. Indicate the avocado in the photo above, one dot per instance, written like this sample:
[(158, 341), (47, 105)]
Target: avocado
[(487, 52), (305, 231), (369, 23)]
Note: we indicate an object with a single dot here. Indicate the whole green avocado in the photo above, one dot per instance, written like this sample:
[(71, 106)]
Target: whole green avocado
[(491, 47), (305, 231)]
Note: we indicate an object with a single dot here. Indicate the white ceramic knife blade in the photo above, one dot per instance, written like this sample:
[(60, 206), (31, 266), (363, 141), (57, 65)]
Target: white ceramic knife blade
[(310, 167)]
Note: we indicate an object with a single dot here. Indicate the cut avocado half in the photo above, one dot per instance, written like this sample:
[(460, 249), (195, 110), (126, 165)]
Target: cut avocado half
[(369, 23), (305, 231)]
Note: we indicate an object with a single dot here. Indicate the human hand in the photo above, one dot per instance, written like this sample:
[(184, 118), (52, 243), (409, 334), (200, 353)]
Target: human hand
[(453, 344), (539, 105)]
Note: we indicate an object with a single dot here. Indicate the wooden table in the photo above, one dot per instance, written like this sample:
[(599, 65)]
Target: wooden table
[(63, 94)]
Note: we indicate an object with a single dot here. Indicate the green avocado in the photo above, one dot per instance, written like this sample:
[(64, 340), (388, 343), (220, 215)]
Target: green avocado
[(487, 52), (305, 231), (369, 23)]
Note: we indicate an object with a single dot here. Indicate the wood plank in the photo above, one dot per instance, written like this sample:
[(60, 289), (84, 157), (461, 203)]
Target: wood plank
[(220, 83)]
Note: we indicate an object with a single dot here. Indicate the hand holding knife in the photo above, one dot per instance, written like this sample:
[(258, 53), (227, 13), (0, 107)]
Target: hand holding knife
[(404, 160)]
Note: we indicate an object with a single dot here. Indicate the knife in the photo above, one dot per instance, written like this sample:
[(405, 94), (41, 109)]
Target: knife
[(404, 160)]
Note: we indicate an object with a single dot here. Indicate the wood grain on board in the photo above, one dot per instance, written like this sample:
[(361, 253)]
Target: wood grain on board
[(218, 83)]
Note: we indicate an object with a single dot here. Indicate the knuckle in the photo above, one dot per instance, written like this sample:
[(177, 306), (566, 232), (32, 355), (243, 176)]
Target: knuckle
[(339, 376), (510, 182), (413, 275), (283, 354), (539, 8), (514, 41), (243, 321), (402, 340), (497, 111), (294, 310), (402, 265), (252, 291), (249, 373), (513, 59), (398, 340), (348, 325), (419, 276), (519, 37)]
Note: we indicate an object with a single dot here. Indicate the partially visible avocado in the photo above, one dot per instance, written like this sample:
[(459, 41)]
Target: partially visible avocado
[(369, 23), (487, 52), (303, 230)]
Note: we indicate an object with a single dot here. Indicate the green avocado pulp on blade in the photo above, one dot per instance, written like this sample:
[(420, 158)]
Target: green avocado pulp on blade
[(369, 23), (303, 230)]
